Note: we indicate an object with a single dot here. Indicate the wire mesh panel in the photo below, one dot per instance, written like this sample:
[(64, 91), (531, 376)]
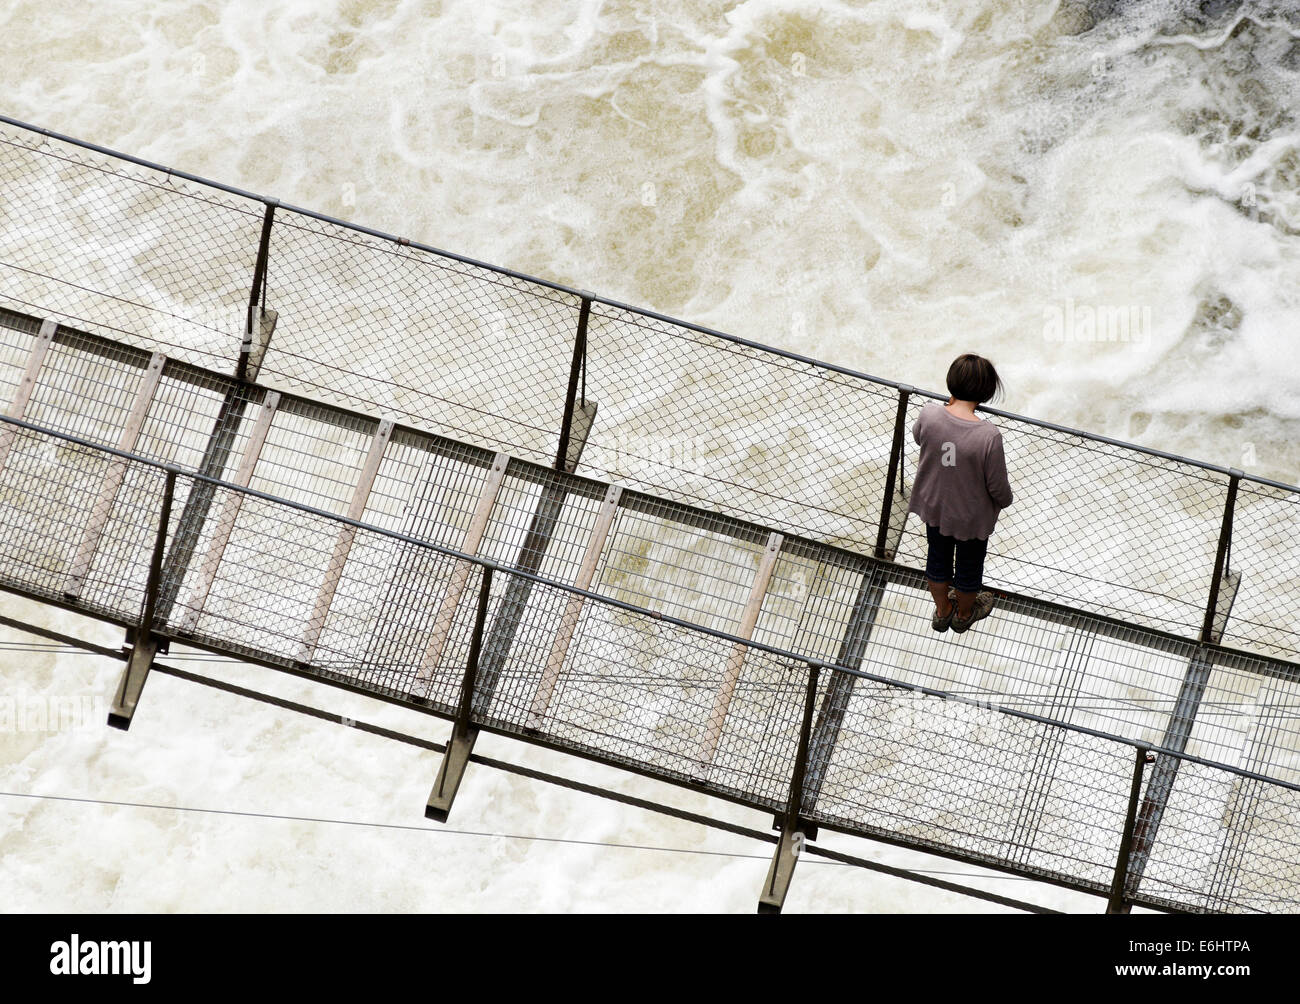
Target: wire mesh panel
[(1249, 718), (117, 574), (313, 454), (681, 562), (191, 409), (542, 521), (811, 600), (440, 664), (86, 387), (268, 579), (965, 779), (760, 735), (1266, 553), (124, 251), (636, 689), (17, 334), (48, 489), (735, 429), (1226, 843), (400, 646), (451, 347), (369, 643), (1104, 528), (1068, 668)]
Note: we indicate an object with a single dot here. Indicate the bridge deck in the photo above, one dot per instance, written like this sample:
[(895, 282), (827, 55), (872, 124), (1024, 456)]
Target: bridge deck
[(683, 654)]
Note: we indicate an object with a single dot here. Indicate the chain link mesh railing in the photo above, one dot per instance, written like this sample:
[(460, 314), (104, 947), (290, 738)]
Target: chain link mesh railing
[(451, 346), (1105, 527), (382, 325), (1264, 549), (938, 770), (658, 660), (124, 251)]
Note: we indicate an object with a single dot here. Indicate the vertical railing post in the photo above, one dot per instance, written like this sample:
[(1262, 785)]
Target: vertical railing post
[(895, 461), (470, 680), (257, 294), (1117, 903), (156, 557), (1208, 632), (790, 844), (144, 645), (463, 733), (577, 372)]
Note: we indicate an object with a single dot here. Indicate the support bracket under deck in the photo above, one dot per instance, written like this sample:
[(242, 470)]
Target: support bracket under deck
[(132, 683), (511, 609)]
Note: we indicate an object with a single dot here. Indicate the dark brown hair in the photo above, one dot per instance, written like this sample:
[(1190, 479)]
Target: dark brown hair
[(973, 378)]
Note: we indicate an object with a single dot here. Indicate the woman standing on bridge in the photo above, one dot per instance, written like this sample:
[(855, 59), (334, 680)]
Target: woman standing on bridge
[(961, 486)]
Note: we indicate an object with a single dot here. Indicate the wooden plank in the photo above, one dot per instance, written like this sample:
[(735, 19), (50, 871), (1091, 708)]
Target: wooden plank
[(230, 512), (736, 661), (573, 610), (18, 406), (460, 574), (114, 476), (343, 545)]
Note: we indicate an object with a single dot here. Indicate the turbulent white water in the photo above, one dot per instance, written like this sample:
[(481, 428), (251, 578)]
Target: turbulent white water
[(883, 185)]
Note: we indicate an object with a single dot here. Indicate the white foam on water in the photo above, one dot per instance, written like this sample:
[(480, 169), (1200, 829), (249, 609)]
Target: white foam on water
[(883, 186)]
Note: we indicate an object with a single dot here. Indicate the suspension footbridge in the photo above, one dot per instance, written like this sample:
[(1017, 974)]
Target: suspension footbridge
[(251, 429)]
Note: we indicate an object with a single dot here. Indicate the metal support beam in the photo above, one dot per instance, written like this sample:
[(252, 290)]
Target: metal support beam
[(1118, 903), (577, 382), (343, 543), (857, 633), (113, 477), (514, 602), (250, 352), (230, 513), (1223, 590), (793, 830), (1165, 772), (736, 660), (584, 417), (259, 342), (216, 454), (463, 733), (573, 609), (1216, 615), (144, 644), (883, 531), (259, 325), (460, 573), (18, 406)]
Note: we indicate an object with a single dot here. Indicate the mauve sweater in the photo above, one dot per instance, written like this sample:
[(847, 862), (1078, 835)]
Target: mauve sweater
[(961, 479)]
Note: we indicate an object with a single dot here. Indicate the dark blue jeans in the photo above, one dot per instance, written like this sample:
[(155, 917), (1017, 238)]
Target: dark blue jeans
[(969, 555)]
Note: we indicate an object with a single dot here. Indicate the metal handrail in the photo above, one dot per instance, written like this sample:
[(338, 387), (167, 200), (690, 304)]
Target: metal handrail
[(617, 304)]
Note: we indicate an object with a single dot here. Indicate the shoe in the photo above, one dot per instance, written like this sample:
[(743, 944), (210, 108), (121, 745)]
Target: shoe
[(940, 624), (982, 608)]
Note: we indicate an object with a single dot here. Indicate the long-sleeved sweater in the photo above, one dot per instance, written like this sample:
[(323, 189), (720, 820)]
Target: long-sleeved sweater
[(961, 479)]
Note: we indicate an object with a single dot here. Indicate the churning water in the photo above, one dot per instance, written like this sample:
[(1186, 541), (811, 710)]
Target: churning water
[(1102, 197)]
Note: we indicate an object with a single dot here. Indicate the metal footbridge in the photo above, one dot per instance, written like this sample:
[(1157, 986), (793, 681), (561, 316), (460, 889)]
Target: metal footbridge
[(254, 430)]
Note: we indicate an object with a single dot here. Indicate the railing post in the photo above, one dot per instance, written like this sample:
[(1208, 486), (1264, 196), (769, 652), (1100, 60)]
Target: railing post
[(144, 646), (1117, 903), (793, 830), (463, 733), (257, 295), (577, 374), (1212, 612), (895, 461)]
